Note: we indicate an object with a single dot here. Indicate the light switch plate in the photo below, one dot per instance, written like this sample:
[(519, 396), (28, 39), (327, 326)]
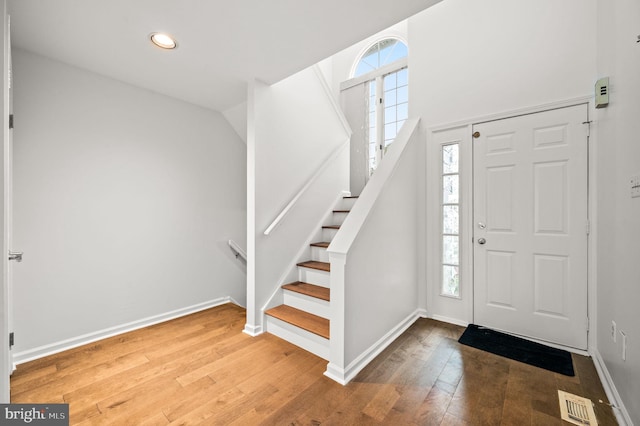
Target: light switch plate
[(635, 186)]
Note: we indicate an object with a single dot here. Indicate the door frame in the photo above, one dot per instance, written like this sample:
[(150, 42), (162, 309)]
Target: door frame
[(5, 353), (460, 311)]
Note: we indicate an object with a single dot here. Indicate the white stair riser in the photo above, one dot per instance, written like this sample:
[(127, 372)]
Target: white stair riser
[(313, 276), (320, 254), (306, 303), (347, 203), (328, 234), (338, 218), (308, 341)]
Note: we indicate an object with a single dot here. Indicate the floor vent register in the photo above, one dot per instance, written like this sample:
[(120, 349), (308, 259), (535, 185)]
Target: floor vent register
[(576, 409)]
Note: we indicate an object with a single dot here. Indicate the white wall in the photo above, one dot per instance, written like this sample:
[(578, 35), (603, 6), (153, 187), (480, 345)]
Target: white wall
[(471, 59), (237, 118), (123, 203), (618, 215), (293, 130), (377, 246)]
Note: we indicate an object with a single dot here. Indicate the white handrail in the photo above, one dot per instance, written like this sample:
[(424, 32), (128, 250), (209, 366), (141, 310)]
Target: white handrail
[(306, 186), (238, 251)]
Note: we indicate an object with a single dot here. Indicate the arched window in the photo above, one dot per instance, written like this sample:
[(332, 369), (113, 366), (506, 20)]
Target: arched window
[(380, 54)]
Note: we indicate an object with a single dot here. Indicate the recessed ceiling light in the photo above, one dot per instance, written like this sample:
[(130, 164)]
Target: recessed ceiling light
[(164, 41)]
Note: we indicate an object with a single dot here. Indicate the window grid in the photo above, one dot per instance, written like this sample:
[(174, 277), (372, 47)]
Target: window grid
[(450, 225), (396, 104), (373, 143)]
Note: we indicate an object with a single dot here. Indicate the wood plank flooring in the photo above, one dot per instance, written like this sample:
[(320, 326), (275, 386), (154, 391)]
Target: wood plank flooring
[(201, 369)]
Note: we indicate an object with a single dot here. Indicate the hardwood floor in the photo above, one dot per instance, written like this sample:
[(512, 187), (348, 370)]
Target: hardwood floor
[(201, 369)]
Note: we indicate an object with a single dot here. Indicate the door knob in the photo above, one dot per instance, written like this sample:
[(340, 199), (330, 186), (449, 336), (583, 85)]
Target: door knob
[(15, 255), (481, 241)]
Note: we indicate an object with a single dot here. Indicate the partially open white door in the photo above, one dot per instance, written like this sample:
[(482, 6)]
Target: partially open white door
[(531, 225), (5, 358)]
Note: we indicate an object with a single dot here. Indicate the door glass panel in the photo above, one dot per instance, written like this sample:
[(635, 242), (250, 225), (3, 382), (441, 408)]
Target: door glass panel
[(403, 112), (450, 220), (390, 98), (450, 159), (450, 280), (450, 249), (450, 189), (396, 105), (372, 127), (390, 115), (402, 77), (450, 225)]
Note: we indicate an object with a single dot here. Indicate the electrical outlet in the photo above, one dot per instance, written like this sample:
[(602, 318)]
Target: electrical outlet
[(624, 345), (614, 331), (635, 186)]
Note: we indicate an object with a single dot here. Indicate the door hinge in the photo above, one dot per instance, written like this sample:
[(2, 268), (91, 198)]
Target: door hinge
[(588, 123), (587, 324), (11, 340), (10, 121), (588, 227)]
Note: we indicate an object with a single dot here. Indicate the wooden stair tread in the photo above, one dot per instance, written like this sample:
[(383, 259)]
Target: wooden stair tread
[(312, 323), (309, 289), (314, 264), (331, 227), (323, 244)]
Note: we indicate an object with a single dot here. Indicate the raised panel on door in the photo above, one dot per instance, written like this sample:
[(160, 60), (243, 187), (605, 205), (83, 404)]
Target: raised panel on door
[(530, 212)]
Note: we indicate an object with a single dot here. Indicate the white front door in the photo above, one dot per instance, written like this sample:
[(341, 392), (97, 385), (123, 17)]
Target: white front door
[(530, 225)]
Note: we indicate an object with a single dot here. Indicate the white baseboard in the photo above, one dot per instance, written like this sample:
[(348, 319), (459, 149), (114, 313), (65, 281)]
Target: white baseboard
[(345, 375), (252, 330), (74, 342), (454, 321), (622, 415)]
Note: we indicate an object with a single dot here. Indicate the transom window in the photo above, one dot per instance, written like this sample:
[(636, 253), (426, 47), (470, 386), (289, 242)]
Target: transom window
[(380, 54)]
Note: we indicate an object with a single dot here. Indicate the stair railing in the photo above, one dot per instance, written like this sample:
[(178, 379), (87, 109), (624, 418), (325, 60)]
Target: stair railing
[(237, 250), (335, 154)]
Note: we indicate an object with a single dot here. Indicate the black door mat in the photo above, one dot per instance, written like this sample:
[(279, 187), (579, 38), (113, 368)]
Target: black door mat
[(532, 353)]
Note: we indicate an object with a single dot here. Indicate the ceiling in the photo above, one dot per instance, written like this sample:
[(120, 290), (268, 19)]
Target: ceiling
[(222, 45)]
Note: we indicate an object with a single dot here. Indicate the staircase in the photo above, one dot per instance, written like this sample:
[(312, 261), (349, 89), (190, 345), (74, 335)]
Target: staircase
[(303, 318)]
